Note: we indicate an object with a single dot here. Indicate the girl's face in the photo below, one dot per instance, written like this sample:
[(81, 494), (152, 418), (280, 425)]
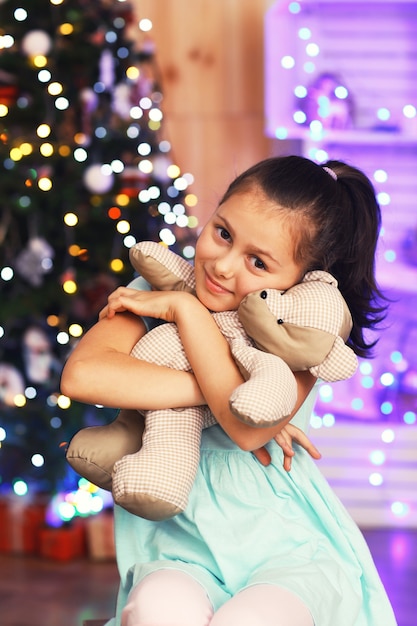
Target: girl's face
[(246, 246)]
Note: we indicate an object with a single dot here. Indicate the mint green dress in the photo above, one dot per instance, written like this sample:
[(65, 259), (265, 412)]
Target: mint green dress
[(247, 524)]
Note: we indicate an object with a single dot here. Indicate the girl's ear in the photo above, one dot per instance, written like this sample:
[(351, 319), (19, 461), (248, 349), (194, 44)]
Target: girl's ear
[(162, 268)]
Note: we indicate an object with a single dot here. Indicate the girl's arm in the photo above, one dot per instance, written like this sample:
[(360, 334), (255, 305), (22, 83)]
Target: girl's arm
[(209, 355), (100, 370)]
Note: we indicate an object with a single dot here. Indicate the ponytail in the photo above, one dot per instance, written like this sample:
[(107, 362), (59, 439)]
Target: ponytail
[(359, 222)]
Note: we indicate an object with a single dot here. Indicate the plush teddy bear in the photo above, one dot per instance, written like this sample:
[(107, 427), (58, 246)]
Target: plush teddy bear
[(151, 468)]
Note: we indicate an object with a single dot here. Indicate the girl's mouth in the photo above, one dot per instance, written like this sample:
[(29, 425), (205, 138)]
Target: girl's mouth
[(215, 287)]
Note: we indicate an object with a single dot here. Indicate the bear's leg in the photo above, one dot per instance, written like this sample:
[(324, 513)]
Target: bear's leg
[(155, 482), (269, 392), (93, 451)]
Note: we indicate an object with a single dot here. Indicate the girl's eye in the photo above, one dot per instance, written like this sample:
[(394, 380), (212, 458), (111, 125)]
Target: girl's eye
[(224, 234), (260, 265)]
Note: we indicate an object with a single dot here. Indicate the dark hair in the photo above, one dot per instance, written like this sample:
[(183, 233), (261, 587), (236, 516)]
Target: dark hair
[(336, 220)]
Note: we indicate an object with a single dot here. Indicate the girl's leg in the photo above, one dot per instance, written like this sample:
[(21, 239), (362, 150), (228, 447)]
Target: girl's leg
[(167, 597), (263, 605)]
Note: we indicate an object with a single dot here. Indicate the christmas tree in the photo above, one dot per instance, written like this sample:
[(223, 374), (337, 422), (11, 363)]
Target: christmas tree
[(85, 172)]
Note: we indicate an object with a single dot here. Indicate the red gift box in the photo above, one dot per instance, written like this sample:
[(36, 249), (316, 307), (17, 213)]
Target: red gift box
[(20, 521), (100, 536), (64, 543), (8, 94)]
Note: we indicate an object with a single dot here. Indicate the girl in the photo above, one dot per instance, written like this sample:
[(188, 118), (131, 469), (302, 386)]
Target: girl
[(257, 545)]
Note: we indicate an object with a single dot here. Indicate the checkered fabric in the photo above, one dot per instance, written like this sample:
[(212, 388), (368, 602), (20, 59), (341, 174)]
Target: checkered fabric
[(156, 480), (270, 391), (314, 303), (306, 326)]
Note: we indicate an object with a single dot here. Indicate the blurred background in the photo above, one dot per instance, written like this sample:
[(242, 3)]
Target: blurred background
[(122, 121)]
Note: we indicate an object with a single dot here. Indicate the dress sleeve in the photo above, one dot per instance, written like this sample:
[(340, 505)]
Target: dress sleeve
[(303, 416), (141, 284)]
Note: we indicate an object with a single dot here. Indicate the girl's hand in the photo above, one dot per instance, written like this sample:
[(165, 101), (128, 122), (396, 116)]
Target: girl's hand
[(284, 439), (162, 305)]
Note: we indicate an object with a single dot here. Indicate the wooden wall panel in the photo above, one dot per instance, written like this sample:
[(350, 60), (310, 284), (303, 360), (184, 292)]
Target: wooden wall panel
[(210, 54)]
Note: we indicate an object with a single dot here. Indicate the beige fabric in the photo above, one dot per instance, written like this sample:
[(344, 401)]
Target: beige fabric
[(166, 272), (93, 451)]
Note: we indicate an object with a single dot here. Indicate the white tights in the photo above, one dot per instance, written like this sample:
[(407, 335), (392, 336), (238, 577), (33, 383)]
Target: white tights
[(170, 597)]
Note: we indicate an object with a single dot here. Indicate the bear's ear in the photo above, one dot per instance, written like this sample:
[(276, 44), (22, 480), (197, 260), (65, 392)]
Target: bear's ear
[(162, 268), (340, 364)]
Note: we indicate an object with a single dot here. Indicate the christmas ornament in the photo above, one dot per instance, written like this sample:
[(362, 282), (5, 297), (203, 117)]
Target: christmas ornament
[(122, 101), (96, 180), (37, 355), (132, 181), (11, 384), (35, 261), (161, 164), (106, 67), (36, 42), (89, 103), (92, 297)]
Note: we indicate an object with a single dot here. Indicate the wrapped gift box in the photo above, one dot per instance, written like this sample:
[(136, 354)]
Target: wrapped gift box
[(64, 543), (20, 521), (100, 536)]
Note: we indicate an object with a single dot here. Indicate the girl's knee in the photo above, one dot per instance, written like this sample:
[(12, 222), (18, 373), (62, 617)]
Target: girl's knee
[(167, 597), (263, 605)]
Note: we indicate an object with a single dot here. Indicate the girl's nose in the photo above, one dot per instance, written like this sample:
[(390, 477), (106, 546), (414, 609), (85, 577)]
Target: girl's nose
[(224, 265)]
